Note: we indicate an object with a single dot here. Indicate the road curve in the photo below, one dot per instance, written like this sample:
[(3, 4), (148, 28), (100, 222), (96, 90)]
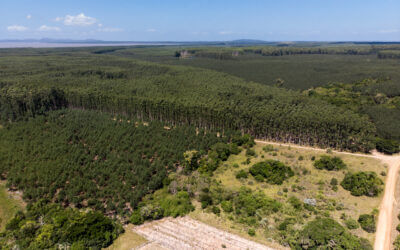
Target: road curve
[(385, 220)]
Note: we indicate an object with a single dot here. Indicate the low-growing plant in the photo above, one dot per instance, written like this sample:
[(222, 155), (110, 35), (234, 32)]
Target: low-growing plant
[(367, 222), (362, 183), (351, 224), (274, 172)]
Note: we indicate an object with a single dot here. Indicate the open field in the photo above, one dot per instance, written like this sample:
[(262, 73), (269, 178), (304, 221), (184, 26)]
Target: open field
[(128, 240), (10, 203), (186, 233), (315, 184)]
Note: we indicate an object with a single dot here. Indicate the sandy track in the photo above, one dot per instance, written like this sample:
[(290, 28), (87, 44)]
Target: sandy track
[(186, 233), (385, 219)]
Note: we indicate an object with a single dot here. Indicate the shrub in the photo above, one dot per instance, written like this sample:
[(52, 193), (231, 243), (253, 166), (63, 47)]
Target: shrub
[(351, 224), (286, 222), (321, 232), (301, 158), (246, 141), (251, 232), (227, 206), (250, 152), (398, 228), (216, 210), (205, 200), (367, 222), (274, 172), (387, 146), (329, 163), (362, 183), (177, 205), (334, 181), (236, 165), (296, 203), (396, 243), (136, 218), (268, 148), (241, 174)]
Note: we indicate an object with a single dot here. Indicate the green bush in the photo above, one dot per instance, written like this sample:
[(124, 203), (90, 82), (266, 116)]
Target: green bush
[(227, 206), (236, 165), (250, 152), (351, 224), (246, 140), (251, 232), (216, 210), (296, 203), (367, 222), (362, 183), (334, 182), (322, 232), (396, 243), (242, 174), (274, 172), (136, 218), (177, 205), (268, 148), (329, 163)]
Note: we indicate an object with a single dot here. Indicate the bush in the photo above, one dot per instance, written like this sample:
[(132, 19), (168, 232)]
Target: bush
[(216, 210), (367, 222), (396, 243), (362, 183), (334, 181), (136, 218), (177, 205), (398, 228), (274, 172), (227, 206), (205, 200), (268, 148), (329, 163), (246, 141), (251, 232), (387, 146), (351, 224), (241, 174), (296, 203), (250, 152), (236, 165), (322, 232)]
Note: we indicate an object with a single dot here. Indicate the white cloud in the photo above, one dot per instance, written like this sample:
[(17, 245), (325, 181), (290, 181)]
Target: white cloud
[(78, 20), (29, 16), (225, 32), (389, 31), (48, 28), (151, 30), (107, 29), (100, 25), (17, 28)]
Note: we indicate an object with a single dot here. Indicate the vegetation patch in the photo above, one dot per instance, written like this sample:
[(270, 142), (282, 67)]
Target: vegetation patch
[(329, 163), (271, 171), (362, 183)]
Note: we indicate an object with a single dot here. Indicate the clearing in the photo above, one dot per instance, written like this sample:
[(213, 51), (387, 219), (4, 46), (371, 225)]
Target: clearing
[(10, 203), (186, 233)]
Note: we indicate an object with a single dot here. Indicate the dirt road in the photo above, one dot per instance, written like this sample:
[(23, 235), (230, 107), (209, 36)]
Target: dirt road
[(385, 219)]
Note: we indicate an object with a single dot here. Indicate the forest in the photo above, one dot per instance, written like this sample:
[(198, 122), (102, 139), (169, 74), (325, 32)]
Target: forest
[(99, 137)]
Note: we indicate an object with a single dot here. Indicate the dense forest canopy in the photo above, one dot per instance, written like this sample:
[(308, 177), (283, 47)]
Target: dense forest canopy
[(88, 159), (177, 95)]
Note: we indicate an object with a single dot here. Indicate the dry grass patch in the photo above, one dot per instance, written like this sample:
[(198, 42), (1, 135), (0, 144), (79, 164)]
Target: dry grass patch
[(128, 240), (10, 203)]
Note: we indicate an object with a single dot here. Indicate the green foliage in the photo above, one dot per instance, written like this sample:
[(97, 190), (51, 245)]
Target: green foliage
[(272, 171), (241, 174), (251, 232), (351, 224), (329, 163), (216, 210), (176, 205), (179, 95), (227, 206), (334, 181), (250, 152), (295, 202), (362, 183), (396, 243), (76, 155), (45, 226), (268, 148), (387, 146), (367, 222), (323, 232), (136, 218)]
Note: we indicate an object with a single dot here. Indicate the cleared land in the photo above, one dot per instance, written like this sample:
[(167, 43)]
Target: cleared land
[(186, 233), (129, 240), (10, 203), (315, 183)]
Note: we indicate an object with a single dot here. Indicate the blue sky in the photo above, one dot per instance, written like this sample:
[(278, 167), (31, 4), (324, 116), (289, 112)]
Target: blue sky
[(201, 20)]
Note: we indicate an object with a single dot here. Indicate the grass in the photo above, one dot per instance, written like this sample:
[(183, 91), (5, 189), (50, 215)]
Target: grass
[(316, 183), (9, 205), (128, 240)]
